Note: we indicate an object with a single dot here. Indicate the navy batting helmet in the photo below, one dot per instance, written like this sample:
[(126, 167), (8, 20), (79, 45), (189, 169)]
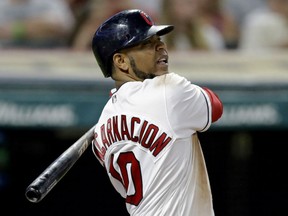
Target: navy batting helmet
[(125, 29)]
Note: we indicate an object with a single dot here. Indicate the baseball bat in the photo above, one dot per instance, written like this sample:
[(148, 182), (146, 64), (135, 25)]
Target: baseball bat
[(43, 184)]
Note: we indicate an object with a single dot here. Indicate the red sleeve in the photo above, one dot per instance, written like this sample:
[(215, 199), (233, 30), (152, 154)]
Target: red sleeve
[(217, 106)]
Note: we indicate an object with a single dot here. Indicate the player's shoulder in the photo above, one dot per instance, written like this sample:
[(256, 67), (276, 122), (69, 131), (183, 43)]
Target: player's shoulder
[(176, 82), (171, 79), (173, 76)]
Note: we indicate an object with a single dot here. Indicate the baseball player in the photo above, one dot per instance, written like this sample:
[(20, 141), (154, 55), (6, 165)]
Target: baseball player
[(146, 137)]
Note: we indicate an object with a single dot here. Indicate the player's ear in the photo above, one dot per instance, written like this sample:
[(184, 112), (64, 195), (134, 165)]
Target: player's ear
[(120, 61)]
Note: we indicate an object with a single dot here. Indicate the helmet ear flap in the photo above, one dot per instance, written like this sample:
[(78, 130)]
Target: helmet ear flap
[(125, 29)]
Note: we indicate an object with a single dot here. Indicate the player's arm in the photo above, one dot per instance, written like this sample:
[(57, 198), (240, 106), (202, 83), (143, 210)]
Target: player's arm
[(216, 104)]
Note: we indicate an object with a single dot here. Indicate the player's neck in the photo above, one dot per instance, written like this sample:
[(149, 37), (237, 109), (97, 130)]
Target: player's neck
[(118, 84)]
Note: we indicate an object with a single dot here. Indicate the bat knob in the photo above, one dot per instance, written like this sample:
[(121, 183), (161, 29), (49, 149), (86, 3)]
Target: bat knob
[(33, 195)]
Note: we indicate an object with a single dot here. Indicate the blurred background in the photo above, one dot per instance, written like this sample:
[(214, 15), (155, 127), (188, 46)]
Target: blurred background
[(52, 91)]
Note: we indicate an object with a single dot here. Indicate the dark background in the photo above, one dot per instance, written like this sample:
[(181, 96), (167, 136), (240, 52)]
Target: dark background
[(251, 181)]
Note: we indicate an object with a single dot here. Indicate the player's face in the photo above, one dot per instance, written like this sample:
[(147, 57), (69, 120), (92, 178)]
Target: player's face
[(148, 59)]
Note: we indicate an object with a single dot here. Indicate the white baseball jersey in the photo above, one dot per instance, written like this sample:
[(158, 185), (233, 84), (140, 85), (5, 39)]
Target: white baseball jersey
[(146, 138)]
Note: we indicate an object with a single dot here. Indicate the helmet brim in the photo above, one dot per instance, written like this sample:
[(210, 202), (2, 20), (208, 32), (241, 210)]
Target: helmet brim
[(160, 30)]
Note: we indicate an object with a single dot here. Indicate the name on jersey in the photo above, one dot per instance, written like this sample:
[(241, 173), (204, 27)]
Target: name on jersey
[(135, 129)]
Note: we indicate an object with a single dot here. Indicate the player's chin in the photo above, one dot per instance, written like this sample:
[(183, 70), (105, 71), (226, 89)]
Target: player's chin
[(161, 70)]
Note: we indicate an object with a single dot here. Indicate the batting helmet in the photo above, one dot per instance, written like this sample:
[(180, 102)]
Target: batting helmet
[(125, 29)]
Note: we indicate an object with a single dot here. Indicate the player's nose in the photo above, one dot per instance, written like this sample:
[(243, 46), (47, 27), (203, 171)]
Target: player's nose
[(160, 45)]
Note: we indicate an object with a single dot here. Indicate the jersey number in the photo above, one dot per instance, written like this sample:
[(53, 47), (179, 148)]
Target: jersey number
[(129, 166)]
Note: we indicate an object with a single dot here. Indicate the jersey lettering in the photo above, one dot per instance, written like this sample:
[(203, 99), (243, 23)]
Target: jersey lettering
[(121, 128)]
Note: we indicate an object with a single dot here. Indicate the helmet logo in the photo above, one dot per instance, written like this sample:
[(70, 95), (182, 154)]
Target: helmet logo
[(146, 18)]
